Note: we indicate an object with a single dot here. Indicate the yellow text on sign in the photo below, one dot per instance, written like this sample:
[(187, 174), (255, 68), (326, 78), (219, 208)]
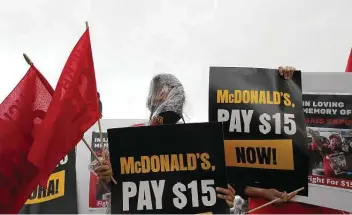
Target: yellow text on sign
[(263, 154), (55, 189)]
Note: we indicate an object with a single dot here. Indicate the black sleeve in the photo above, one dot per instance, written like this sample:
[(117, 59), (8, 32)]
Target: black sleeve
[(243, 180), (169, 117)]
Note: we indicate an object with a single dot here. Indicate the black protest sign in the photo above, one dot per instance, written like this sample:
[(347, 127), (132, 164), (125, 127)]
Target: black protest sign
[(263, 127), (168, 169), (60, 195), (329, 129)]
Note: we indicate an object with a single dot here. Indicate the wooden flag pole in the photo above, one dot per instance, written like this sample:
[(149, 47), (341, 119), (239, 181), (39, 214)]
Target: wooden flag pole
[(28, 60), (101, 133), (99, 123), (274, 201)]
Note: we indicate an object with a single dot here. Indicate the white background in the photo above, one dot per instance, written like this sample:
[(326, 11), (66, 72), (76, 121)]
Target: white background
[(134, 39)]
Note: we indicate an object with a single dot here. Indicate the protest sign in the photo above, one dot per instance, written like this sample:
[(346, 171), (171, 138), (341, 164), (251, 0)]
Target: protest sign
[(168, 169), (264, 129), (98, 195), (326, 83), (60, 195), (329, 130)]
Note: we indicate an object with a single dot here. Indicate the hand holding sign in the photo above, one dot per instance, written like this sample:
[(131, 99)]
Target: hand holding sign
[(104, 171), (262, 120), (227, 194), (272, 194), (171, 175), (287, 71)]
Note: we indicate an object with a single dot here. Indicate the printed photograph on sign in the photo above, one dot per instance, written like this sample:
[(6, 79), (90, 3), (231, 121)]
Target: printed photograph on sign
[(330, 153), (329, 137), (98, 195)]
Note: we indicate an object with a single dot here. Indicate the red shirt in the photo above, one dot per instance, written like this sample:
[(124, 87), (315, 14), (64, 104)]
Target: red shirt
[(289, 208), (328, 171)]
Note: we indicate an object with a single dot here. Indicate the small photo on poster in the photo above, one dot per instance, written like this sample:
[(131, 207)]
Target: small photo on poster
[(330, 152), (98, 195)]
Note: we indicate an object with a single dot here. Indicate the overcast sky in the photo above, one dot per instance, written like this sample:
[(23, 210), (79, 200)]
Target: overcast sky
[(134, 39)]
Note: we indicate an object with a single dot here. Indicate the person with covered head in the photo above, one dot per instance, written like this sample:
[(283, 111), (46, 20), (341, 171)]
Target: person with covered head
[(165, 102)]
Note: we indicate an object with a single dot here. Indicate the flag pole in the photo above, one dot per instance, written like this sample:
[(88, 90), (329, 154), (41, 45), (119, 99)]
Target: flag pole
[(30, 62), (100, 132), (274, 201), (99, 123)]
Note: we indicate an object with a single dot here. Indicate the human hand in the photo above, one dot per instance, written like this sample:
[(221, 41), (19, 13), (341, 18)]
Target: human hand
[(272, 194), (227, 194), (310, 132), (104, 171), (287, 71)]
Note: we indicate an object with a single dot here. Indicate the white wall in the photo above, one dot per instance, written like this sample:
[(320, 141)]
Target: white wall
[(134, 39)]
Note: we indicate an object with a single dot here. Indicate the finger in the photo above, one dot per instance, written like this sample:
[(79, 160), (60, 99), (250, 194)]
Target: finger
[(284, 197), (224, 197), (291, 196), (281, 70), (102, 168), (104, 178), (278, 193), (105, 173), (103, 162), (231, 189), (230, 204), (223, 191), (106, 157), (220, 196), (292, 71), (286, 73), (291, 74)]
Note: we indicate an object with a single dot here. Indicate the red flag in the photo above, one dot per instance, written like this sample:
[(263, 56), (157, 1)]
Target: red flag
[(73, 110), (20, 114), (349, 63)]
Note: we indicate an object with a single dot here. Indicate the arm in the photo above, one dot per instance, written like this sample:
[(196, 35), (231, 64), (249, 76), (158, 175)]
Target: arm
[(104, 173), (166, 118), (316, 139), (254, 192), (269, 194)]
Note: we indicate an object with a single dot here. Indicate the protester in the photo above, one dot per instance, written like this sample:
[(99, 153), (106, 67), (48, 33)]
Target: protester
[(260, 196), (328, 152), (165, 102)]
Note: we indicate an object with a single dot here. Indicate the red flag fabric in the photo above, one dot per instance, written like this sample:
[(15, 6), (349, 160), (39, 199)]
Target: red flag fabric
[(20, 114), (349, 63), (73, 110)]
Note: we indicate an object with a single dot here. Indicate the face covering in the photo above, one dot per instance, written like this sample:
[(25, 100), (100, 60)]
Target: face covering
[(165, 99)]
